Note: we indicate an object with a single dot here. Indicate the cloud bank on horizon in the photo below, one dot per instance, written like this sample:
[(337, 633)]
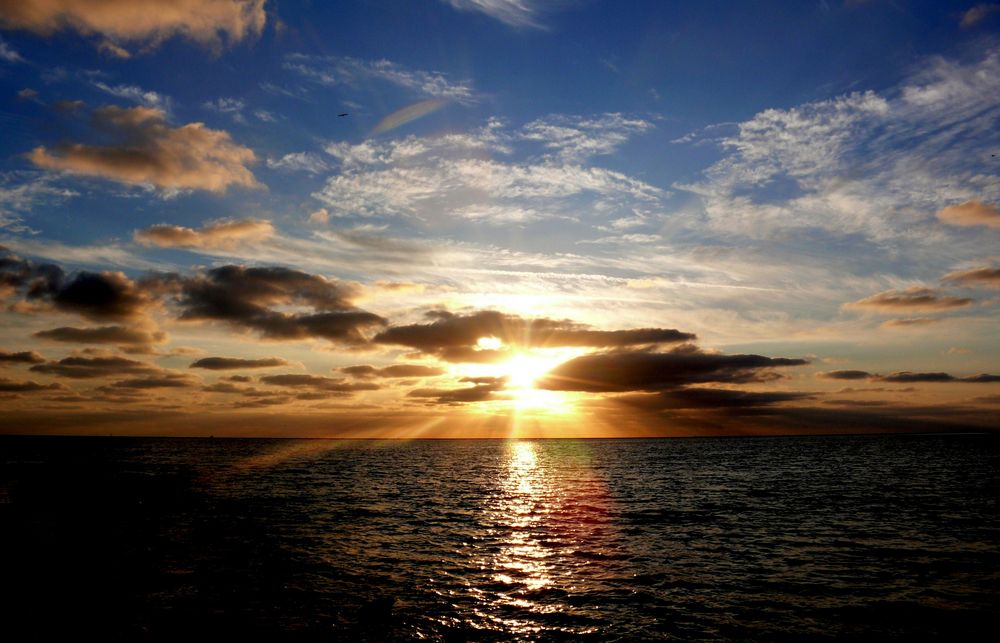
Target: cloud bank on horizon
[(394, 235)]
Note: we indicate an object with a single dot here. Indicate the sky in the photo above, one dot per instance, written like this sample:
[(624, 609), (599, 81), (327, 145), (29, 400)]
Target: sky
[(493, 218)]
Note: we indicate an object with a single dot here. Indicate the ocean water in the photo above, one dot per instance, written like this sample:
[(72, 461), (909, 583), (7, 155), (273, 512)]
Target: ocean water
[(546, 540)]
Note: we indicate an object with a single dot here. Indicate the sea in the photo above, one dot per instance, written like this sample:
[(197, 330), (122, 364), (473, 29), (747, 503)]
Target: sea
[(798, 538)]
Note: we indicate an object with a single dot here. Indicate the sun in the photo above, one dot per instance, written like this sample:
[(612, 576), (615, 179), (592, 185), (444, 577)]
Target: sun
[(523, 370)]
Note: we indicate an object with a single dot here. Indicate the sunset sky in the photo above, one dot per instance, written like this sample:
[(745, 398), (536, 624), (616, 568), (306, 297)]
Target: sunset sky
[(467, 218)]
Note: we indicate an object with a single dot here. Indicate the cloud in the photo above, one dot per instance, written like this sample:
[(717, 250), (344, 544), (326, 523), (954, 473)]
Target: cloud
[(482, 390), (514, 13), (299, 162), (150, 151), (232, 363), (317, 383), (94, 295), (426, 178), (858, 164), (226, 234), (166, 380), (344, 70), (93, 367), (909, 323), (987, 276), (396, 370), (231, 106), (621, 371), (971, 213), (844, 375), (246, 298), (20, 357), (144, 23), (914, 298), (576, 138), (12, 386), (708, 398), (136, 94), (907, 377), (8, 54), (455, 337), (104, 335), (977, 14)]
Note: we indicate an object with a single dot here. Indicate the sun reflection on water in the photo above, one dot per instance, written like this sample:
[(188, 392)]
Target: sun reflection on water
[(536, 526)]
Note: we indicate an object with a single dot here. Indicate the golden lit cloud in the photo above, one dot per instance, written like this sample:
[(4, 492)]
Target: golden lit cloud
[(150, 151), (146, 23)]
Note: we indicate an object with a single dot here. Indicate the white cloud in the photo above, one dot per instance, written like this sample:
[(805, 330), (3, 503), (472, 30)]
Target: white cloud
[(576, 139), (299, 162), (232, 106), (28, 191), (8, 54), (516, 13), (344, 70), (136, 94), (878, 166)]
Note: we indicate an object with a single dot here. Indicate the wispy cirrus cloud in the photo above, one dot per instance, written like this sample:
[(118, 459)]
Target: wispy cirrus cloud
[(859, 163), (514, 13), (355, 72)]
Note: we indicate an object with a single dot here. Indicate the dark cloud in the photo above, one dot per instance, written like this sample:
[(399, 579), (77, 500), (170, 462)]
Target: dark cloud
[(247, 297), (94, 295), (621, 371), (454, 337), (91, 367), (149, 151), (166, 380), (844, 375), (396, 370), (708, 398), (104, 295), (22, 357), (482, 390), (11, 386), (232, 363), (318, 383), (104, 335), (907, 376), (987, 276), (982, 378), (915, 298)]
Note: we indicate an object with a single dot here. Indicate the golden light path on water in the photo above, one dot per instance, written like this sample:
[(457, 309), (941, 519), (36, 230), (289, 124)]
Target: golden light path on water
[(540, 522)]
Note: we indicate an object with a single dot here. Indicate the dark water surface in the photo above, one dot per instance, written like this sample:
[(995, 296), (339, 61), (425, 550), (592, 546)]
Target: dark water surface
[(790, 538)]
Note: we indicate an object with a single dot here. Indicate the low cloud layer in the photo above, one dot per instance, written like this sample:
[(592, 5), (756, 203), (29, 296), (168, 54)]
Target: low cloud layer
[(621, 371), (249, 298), (908, 377), (456, 337), (365, 371), (916, 298), (235, 363), (987, 276), (147, 150)]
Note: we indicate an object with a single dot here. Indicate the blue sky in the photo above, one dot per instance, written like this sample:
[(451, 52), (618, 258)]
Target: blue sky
[(811, 180)]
